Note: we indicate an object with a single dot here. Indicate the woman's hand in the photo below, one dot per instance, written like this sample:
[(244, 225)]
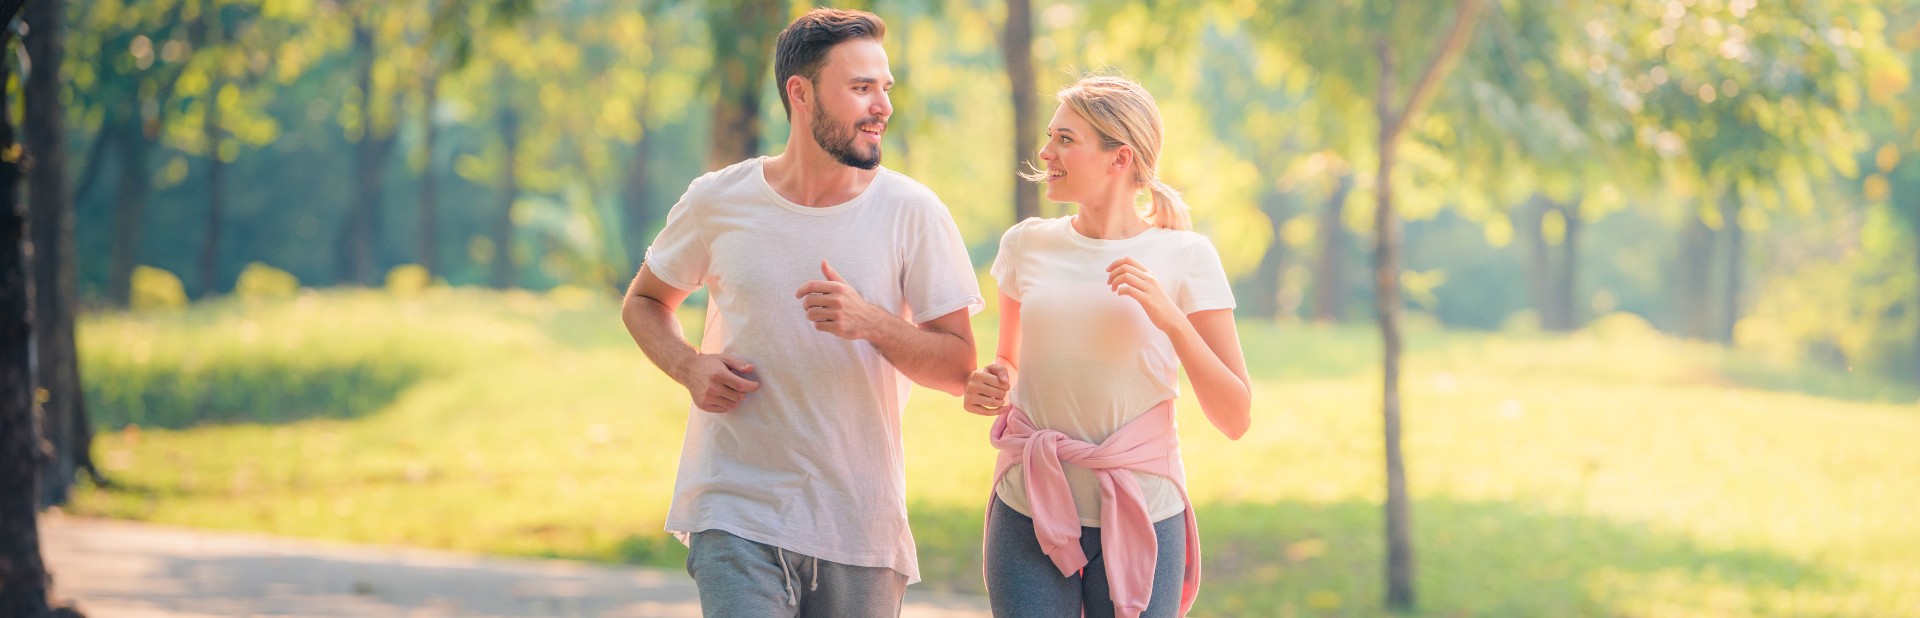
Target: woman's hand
[(1128, 278), (987, 389)]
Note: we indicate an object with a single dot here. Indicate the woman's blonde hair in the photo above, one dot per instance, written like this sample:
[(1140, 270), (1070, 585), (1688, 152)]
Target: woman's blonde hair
[(1124, 113)]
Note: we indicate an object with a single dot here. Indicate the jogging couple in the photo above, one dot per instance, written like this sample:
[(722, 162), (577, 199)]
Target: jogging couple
[(833, 281)]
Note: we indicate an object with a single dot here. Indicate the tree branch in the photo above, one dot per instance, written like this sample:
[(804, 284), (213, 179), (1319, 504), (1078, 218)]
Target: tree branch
[(1463, 23)]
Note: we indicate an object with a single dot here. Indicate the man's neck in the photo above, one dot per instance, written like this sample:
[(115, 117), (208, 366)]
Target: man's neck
[(806, 175)]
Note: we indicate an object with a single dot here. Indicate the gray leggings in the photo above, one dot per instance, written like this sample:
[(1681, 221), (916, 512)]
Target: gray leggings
[(1022, 581)]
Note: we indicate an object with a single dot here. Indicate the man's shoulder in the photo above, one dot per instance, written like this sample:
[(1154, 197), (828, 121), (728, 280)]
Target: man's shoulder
[(724, 180), (905, 189)]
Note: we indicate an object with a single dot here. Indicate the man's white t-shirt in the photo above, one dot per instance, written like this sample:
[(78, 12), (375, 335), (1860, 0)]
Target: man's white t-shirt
[(811, 462), (1090, 360)]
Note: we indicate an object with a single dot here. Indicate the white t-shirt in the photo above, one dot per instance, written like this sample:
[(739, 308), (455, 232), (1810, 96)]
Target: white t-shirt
[(1090, 360), (812, 461)]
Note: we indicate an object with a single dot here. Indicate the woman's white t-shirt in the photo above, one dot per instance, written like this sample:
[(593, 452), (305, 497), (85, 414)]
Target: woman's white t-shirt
[(1090, 360)]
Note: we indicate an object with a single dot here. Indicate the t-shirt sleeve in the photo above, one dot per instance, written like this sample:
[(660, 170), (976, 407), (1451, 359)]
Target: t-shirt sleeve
[(1003, 270), (1204, 285), (939, 278), (680, 254)]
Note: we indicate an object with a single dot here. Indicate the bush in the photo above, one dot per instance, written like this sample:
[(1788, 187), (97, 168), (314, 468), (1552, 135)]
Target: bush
[(156, 289), (262, 282), (408, 280)]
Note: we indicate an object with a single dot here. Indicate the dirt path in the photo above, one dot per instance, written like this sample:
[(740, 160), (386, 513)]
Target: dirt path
[(117, 569)]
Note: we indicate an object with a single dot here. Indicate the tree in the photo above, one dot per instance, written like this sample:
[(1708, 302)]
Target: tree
[(68, 430), (1393, 121), (135, 91), (23, 575), (1016, 46), (361, 239), (743, 32), (1348, 47)]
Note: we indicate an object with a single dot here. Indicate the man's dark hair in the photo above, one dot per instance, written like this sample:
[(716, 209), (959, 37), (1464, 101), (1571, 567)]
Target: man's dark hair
[(802, 47)]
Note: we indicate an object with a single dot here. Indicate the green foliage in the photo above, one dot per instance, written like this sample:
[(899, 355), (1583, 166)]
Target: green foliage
[(1853, 311), (1603, 105)]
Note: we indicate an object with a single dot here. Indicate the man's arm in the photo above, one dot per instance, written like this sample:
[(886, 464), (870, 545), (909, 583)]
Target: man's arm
[(714, 381), (937, 353)]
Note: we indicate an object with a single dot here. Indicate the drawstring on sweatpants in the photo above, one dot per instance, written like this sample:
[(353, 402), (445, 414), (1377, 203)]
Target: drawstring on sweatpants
[(786, 578), (816, 576)]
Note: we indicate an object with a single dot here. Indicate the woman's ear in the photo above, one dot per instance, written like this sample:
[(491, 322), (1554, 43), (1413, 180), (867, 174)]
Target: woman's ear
[(1122, 159)]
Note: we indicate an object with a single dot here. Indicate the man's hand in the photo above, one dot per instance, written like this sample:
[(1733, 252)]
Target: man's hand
[(987, 388), (835, 307), (717, 382)]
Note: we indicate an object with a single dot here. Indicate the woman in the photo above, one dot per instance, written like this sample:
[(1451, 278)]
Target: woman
[(1098, 311)]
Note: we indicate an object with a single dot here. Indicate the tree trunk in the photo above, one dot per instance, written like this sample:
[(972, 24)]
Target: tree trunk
[(1016, 46), (130, 204), (1330, 268), (900, 124), (1264, 289), (503, 267), (1386, 280), (23, 576), (1695, 279), (1915, 218), (209, 280), (640, 212), (1532, 217), (743, 32), (1736, 263), (429, 198), (1566, 308), (51, 226), (363, 219)]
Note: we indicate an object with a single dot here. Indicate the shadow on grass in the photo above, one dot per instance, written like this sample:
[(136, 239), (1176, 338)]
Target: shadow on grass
[(261, 392), (1473, 558)]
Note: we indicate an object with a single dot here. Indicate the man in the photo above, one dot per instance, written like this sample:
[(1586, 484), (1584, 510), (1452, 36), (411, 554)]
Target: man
[(828, 278)]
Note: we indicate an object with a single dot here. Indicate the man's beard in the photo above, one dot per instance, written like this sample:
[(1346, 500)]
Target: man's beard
[(838, 139)]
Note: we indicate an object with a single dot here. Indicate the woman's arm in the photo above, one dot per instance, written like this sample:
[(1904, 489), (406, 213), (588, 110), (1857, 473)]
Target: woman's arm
[(1209, 347), (1207, 343)]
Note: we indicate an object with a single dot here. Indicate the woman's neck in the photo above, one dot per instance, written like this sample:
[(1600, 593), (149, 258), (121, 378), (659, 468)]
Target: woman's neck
[(1112, 218)]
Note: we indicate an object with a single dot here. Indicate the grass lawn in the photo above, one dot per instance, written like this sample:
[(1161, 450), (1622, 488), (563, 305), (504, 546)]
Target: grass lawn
[(1609, 473)]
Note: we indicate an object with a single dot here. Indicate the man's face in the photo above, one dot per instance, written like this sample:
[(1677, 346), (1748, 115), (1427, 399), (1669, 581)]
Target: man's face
[(850, 106)]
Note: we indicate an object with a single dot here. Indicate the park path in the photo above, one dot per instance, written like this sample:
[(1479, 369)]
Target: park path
[(120, 569)]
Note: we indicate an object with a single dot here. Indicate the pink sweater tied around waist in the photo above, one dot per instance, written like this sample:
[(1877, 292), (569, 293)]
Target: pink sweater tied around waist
[(1145, 444)]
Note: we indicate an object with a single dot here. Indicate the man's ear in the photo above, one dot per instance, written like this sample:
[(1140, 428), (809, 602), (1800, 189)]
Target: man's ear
[(799, 91)]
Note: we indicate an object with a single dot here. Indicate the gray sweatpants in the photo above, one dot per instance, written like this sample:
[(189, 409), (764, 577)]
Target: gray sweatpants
[(1022, 581), (739, 578)]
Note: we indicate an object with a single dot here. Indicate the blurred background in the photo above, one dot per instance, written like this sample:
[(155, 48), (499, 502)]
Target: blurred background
[(350, 269)]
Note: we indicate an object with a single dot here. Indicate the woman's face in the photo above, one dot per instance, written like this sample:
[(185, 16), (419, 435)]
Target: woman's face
[(1078, 170)]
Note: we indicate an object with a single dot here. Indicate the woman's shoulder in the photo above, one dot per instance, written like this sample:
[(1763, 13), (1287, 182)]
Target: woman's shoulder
[(1189, 239), (1032, 227)]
